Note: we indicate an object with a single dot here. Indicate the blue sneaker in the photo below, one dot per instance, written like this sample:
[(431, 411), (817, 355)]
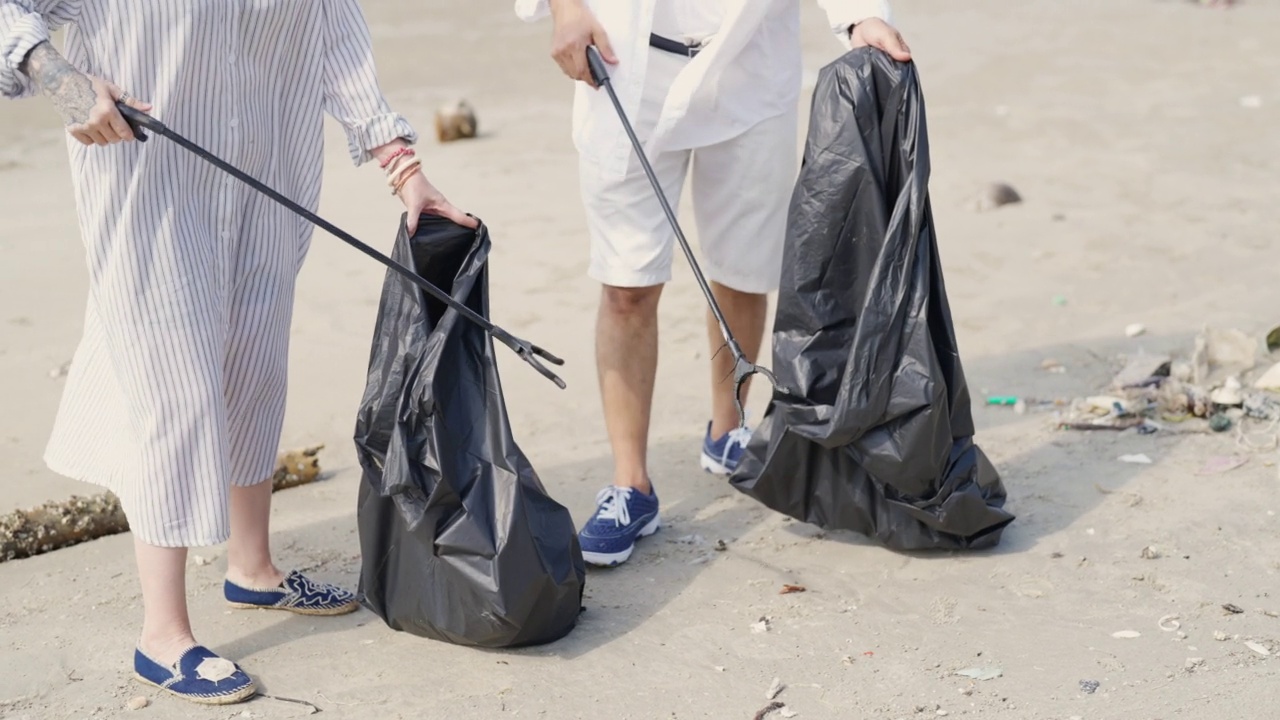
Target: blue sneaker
[(199, 676), (721, 457), (297, 594), (622, 517)]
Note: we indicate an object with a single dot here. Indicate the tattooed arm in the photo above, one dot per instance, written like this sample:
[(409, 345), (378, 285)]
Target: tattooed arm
[(87, 104)]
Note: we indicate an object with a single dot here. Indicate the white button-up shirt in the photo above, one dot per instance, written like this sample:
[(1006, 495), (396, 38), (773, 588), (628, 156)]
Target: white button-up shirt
[(749, 71)]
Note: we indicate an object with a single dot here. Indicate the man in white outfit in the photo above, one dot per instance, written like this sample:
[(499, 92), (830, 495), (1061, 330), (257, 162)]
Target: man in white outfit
[(713, 89)]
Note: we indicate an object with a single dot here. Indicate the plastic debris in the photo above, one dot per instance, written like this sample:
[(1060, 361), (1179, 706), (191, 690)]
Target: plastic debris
[(775, 689), (1150, 553), (760, 626), (1231, 394), (989, 673), (1135, 330), (1258, 648), (1089, 687), (789, 589), (1269, 380), (1222, 464), (1126, 634), (1169, 623), (1139, 459)]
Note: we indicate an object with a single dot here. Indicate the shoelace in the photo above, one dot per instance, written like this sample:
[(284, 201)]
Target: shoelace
[(739, 436), (612, 505)]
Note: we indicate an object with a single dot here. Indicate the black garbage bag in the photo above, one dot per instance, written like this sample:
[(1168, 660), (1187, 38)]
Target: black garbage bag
[(873, 432), (460, 541)]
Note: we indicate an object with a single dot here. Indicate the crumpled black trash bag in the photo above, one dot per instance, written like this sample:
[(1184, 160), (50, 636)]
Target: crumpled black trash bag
[(460, 541), (873, 432)]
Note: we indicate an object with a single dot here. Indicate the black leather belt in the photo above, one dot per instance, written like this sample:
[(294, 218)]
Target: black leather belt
[(673, 46)]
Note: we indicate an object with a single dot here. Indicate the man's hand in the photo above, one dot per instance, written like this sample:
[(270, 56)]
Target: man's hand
[(576, 27), (87, 104), (876, 33)]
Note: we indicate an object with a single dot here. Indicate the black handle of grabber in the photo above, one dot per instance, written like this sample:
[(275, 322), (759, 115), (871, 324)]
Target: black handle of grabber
[(599, 71), (530, 353)]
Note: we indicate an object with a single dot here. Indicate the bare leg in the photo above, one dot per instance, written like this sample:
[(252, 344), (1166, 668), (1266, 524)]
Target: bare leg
[(745, 313), (249, 550), (166, 627), (627, 361)]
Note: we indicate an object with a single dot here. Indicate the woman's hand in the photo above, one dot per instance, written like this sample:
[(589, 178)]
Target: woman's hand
[(421, 197), (87, 104), (876, 33)]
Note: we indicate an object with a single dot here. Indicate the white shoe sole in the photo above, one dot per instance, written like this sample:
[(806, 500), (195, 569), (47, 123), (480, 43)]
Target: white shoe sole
[(715, 467), (612, 559)]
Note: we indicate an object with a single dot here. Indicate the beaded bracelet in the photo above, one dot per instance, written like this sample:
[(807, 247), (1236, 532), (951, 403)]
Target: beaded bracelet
[(401, 152)]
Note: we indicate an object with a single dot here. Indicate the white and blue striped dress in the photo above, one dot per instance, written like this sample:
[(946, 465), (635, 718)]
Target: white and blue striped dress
[(177, 389)]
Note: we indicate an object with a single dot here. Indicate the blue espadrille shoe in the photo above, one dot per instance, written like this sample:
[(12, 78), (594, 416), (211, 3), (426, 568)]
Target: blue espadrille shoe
[(199, 676), (297, 594)]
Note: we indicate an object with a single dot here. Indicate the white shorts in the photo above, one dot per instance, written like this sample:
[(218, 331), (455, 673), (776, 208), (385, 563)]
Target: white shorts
[(741, 189)]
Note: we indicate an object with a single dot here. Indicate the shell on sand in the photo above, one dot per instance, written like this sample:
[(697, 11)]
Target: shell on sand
[(455, 121), (996, 195)]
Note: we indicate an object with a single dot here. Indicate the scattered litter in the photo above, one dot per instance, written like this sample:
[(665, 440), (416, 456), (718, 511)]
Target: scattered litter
[(775, 689), (1193, 663), (1060, 300), (788, 589), (201, 560), (1219, 636), (719, 668), (943, 713), (1126, 634), (1251, 102), (1138, 459), (787, 712), (990, 673), (1269, 380), (847, 660), (137, 703), (1233, 609), (721, 546), (760, 626), (1139, 370), (1169, 623), (1089, 687), (1256, 647), (1231, 394), (767, 709), (996, 195), (1222, 464), (455, 121), (1271, 613), (1135, 330), (1150, 553)]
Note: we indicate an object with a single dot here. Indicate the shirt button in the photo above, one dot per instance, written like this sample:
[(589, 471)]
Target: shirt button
[(226, 235), (234, 122)]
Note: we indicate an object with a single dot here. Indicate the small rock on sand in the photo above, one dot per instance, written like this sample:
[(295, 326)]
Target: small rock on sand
[(137, 703)]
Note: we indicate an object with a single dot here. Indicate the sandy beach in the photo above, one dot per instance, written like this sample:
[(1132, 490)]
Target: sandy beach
[(1142, 135)]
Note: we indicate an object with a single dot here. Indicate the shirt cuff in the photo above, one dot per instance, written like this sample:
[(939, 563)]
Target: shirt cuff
[(377, 131), (28, 32), (531, 10)]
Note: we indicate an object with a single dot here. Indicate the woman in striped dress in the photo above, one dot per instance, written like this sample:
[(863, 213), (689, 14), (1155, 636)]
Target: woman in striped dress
[(176, 393)]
